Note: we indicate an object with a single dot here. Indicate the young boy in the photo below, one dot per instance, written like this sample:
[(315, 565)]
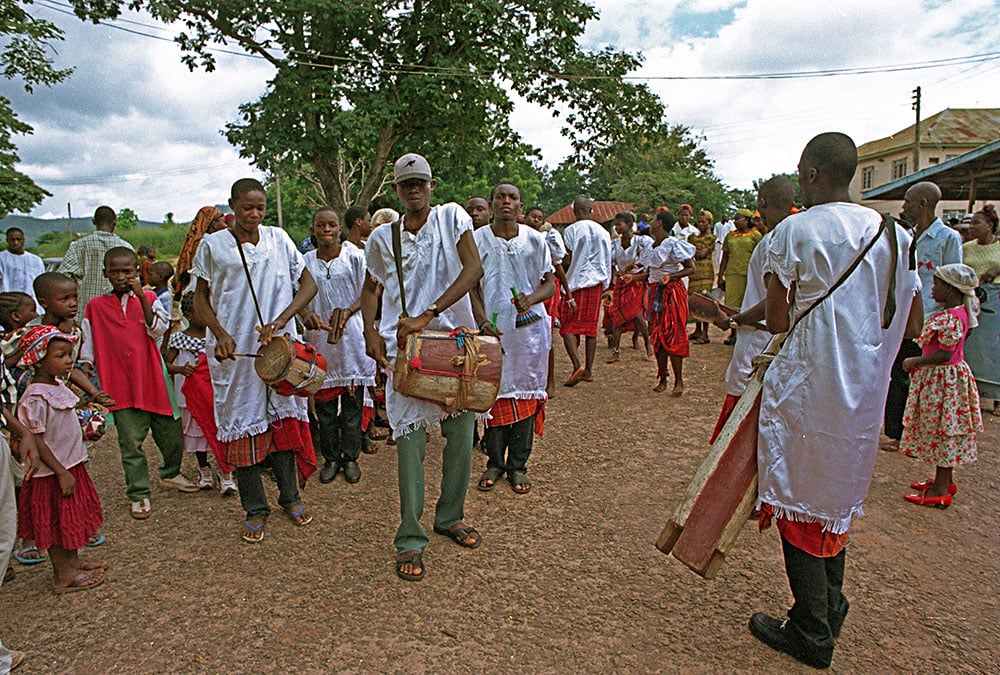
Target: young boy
[(122, 331), (339, 275), (160, 274), (253, 420), (514, 256)]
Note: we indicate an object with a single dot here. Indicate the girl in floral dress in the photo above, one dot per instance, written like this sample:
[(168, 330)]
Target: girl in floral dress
[(942, 411)]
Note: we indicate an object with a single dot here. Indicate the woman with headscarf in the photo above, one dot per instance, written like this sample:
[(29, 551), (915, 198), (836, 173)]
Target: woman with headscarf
[(703, 278), (982, 350), (736, 250), (209, 219)]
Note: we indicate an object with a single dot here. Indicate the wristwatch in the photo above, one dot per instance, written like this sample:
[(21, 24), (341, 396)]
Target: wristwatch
[(433, 309)]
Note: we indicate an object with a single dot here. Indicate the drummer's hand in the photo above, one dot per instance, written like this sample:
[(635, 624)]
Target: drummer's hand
[(269, 330), (520, 301), (344, 318), (312, 321), (225, 347), (375, 348), (486, 328), (721, 321), (411, 324)]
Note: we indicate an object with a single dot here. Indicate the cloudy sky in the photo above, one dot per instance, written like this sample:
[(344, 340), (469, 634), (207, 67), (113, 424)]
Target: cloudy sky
[(134, 128)]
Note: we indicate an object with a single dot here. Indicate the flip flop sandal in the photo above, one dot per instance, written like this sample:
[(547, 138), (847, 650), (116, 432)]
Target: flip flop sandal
[(82, 582), (414, 558), (299, 516), (460, 535), (491, 475), (97, 541), (253, 533), (9, 575), (519, 483), (24, 560), (575, 378)]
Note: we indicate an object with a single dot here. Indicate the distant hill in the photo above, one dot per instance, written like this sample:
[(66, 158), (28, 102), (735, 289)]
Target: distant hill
[(35, 227)]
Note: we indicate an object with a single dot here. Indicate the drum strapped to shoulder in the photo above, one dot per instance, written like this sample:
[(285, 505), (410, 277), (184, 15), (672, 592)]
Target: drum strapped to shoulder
[(457, 370), (291, 367)]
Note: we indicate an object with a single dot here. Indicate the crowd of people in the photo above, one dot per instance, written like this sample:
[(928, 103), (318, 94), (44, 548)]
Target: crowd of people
[(876, 339)]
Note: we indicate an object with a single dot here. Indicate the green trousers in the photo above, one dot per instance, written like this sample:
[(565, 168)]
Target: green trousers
[(456, 463), (133, 425)]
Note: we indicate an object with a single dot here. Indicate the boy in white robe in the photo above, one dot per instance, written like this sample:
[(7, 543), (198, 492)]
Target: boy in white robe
[(514, 256)]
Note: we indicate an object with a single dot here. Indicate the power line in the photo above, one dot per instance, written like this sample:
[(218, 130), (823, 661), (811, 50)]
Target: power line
[(405, 69)]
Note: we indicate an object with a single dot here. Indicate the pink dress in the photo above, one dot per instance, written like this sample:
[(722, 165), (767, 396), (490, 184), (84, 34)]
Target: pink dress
[(942, 413)]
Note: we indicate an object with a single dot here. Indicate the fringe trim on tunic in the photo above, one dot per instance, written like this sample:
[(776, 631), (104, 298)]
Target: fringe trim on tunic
[(834, 525)]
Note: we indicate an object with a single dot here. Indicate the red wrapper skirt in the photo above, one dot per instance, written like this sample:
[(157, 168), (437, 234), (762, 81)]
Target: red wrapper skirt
[(588, 311), (668, 313)]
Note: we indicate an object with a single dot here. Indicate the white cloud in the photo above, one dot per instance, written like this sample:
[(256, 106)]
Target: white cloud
[(133, 127)]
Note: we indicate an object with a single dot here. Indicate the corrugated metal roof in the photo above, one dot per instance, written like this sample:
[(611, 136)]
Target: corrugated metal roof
[(603, 212), (971, 176), (962, 128)]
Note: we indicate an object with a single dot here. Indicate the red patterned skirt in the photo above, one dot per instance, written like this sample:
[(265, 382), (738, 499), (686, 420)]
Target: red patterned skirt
[(668, 313), (43, 514), (588, 311), (627, 302), (507, 411), (552, 304), (287, 433)]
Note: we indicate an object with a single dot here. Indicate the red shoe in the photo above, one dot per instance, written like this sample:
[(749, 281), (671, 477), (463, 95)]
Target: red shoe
[(942, 502), (925, 485)]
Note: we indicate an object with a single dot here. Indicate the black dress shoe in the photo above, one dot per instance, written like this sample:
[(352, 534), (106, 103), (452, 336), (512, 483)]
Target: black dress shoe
[(776, 634), (351, 471), (328, 472)]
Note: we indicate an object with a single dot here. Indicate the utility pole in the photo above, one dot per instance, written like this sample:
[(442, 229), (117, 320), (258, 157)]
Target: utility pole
[(69, 214), (916, 135)]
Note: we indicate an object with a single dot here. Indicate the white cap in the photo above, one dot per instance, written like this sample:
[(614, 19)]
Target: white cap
[(411, 165)]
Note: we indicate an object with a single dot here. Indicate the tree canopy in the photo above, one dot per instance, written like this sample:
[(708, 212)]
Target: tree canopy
[(358, 83), (23, 56)]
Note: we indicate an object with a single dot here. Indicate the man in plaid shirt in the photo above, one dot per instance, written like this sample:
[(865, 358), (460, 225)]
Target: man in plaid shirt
[(84, 261)]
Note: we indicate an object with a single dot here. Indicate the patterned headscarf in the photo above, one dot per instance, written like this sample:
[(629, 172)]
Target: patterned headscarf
[(34, 344), (964, 279), (708, 214), (685, 207), (199, 226), (746, 213)]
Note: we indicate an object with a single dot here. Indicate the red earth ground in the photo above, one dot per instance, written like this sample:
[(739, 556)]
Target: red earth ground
[(567, 578)]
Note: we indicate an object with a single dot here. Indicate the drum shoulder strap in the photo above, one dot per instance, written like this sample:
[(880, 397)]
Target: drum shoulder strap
[(887, 225), (246, 270)]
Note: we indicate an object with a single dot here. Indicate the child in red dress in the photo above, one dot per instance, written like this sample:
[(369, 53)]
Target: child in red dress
[(58, 507)]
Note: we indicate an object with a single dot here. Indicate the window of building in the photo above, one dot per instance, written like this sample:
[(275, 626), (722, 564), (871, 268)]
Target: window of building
[(933, 160), (899, 168), (868, 178)]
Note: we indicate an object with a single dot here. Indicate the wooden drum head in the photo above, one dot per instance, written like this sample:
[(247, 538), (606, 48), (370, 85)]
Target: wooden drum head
[(274, 359)]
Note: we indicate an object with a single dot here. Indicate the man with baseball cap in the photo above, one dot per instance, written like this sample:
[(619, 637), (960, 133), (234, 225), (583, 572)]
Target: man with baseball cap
[(440, 265)]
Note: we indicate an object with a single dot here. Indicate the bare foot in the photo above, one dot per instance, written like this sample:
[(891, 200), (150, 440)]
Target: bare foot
[(678, 388), (890, 445), (615, 358), (661, 386)]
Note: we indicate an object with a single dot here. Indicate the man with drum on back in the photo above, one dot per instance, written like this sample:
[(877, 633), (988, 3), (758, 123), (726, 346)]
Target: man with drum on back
[(440, 265)]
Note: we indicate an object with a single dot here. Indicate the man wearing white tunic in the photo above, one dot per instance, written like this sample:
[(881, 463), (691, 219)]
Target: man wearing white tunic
[(821, 404), (440, 265), (514, 256), (775, 199), (588, 247), (18, 268), (339, 275), (720, 230), (253, 420)]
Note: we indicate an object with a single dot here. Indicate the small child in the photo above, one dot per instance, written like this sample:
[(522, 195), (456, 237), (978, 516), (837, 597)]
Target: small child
[(183, 349), (58, 507), (160, 274), (122, 331), (942, 410), (17, 310)]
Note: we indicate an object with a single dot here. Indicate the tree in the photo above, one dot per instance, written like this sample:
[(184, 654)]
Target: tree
[(127, 220), (24, 56), (667, 167), (360, 82)]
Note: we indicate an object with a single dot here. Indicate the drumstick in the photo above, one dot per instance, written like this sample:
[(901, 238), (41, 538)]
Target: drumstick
[(251, 356)]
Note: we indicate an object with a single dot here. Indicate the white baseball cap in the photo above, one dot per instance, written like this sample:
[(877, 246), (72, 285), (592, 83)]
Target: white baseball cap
[(411, 165)]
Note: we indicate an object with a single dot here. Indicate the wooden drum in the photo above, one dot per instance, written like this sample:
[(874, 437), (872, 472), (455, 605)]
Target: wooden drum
[(291, 367), (457, 370)]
